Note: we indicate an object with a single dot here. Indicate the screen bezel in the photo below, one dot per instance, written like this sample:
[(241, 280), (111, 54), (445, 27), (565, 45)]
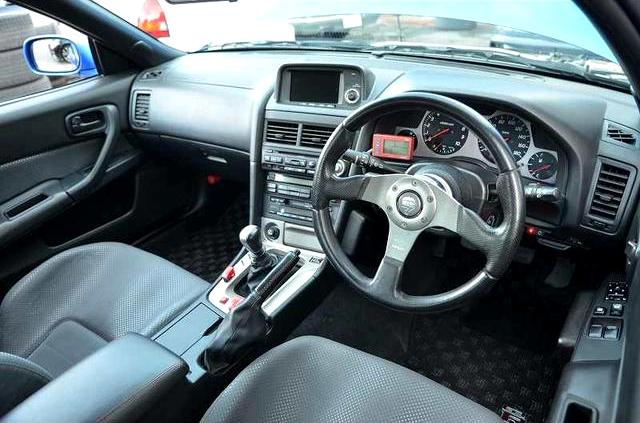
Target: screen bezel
[(283, 84)]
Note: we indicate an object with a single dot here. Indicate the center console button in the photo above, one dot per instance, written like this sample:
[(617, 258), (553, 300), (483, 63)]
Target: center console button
[(600, 311)]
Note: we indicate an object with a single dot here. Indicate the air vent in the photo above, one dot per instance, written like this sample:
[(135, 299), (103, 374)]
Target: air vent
[(142, 102), (609, 192), (315, 136), (281, 132), (621, 134)]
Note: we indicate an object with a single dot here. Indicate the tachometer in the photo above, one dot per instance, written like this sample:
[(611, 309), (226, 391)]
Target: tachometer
[(442, 134), (514, 131), (543, 165)]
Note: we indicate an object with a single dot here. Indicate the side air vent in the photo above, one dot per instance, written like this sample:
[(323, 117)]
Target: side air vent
[(315, 136), (281, 132), (609, 195), (141, 106), (621, 134)]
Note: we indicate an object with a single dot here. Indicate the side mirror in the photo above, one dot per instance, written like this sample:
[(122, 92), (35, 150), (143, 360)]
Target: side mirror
[(52, 55)]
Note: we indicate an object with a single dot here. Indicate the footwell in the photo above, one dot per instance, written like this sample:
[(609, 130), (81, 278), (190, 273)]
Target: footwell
[(201, 245)]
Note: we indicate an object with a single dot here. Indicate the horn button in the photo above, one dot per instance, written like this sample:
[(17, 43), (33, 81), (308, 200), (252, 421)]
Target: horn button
[(411, 203)]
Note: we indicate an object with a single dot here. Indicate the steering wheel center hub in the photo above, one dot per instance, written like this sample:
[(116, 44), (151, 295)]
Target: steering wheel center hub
[(411, 203)]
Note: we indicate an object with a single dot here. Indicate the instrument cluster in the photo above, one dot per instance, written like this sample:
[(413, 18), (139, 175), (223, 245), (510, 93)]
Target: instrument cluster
[(441, 136)]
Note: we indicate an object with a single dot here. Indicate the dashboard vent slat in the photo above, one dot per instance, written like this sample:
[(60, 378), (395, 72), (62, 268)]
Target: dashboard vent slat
[(281, 132), (609, 191), (315, 136), (142, 105), (621, 134)]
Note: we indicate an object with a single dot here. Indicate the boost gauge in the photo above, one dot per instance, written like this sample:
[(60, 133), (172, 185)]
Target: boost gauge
[(543, 165), (442, 134)]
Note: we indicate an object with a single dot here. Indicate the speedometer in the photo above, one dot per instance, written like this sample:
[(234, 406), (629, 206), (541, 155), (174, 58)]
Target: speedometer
[(443, 134), (514, 131)]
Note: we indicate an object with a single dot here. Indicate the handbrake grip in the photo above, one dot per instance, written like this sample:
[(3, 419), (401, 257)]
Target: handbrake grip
[(276, 276)]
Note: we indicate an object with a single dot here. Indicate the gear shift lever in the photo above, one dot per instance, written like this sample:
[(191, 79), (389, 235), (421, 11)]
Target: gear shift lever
[(261, 261), (251, 240)]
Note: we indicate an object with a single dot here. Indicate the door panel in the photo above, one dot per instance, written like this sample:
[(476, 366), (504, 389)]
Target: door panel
[(68, 175)]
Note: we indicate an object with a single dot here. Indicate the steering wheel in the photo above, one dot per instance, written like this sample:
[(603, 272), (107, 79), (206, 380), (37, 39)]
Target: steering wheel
[(414, 204)]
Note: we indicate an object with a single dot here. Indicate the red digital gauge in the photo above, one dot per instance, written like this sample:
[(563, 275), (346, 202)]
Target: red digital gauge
[(397, 147)]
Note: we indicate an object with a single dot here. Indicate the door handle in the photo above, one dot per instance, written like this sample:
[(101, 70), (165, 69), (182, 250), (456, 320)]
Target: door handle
[(102, 120), (86, 122)]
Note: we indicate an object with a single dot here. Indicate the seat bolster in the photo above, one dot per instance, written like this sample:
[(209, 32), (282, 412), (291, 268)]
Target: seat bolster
[(19, 378)]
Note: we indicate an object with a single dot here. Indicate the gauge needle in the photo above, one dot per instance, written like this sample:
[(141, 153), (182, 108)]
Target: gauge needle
[(439, 133), (542, 168)]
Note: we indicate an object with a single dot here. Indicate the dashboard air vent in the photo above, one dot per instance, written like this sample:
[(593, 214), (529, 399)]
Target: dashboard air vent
[(281, 132), (609, 192), (620, 134), (143, 101), (315, 136)]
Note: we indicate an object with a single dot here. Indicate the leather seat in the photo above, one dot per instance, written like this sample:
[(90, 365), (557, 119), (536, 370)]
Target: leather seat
[(312, 379), (76, 302)]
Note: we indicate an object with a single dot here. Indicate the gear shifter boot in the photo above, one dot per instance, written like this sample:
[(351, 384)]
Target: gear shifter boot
[(246, 325)]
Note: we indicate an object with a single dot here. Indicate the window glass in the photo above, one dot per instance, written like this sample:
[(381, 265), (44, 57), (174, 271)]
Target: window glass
[(61, 53)]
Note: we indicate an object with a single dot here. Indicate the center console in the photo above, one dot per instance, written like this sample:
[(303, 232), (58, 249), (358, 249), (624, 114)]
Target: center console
[(297, 122)]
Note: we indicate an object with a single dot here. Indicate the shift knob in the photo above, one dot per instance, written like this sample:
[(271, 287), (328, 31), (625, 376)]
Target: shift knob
[(251, 240)]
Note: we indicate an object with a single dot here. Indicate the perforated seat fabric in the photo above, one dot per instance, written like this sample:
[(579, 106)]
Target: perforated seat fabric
[(75, 302), (312, 379)]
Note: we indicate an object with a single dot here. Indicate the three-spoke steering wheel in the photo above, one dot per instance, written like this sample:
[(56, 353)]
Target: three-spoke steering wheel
[(414, 204)]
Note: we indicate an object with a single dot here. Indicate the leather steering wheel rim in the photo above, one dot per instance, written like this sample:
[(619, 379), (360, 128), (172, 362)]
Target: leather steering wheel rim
[(437, 208)]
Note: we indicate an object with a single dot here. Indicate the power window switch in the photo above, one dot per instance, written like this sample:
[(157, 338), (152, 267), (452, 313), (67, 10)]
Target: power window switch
[(616, 309), (611, 332), (595, 331), (600, 311)]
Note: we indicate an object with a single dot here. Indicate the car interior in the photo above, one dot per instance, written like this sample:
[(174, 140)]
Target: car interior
[(296, 233)]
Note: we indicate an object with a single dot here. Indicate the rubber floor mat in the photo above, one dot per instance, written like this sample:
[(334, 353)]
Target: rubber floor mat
[(482, 366), (202, 247)]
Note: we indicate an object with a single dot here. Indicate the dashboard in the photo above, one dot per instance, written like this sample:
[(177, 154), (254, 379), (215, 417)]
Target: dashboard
[(262, 117)]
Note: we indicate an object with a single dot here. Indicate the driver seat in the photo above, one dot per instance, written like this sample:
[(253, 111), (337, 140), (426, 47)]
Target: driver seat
[(311, 379)]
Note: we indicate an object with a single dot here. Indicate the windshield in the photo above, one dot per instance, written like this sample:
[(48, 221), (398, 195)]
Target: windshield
[(545, 35)]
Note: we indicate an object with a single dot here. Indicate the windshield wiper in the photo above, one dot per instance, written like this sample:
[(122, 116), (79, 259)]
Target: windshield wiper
[(332, 45), (556, 64)]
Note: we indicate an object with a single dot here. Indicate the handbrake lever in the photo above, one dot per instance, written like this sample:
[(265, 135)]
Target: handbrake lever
[(276, 276)]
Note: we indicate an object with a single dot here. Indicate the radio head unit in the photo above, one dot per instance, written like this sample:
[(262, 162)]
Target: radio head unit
[(321, 86)]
